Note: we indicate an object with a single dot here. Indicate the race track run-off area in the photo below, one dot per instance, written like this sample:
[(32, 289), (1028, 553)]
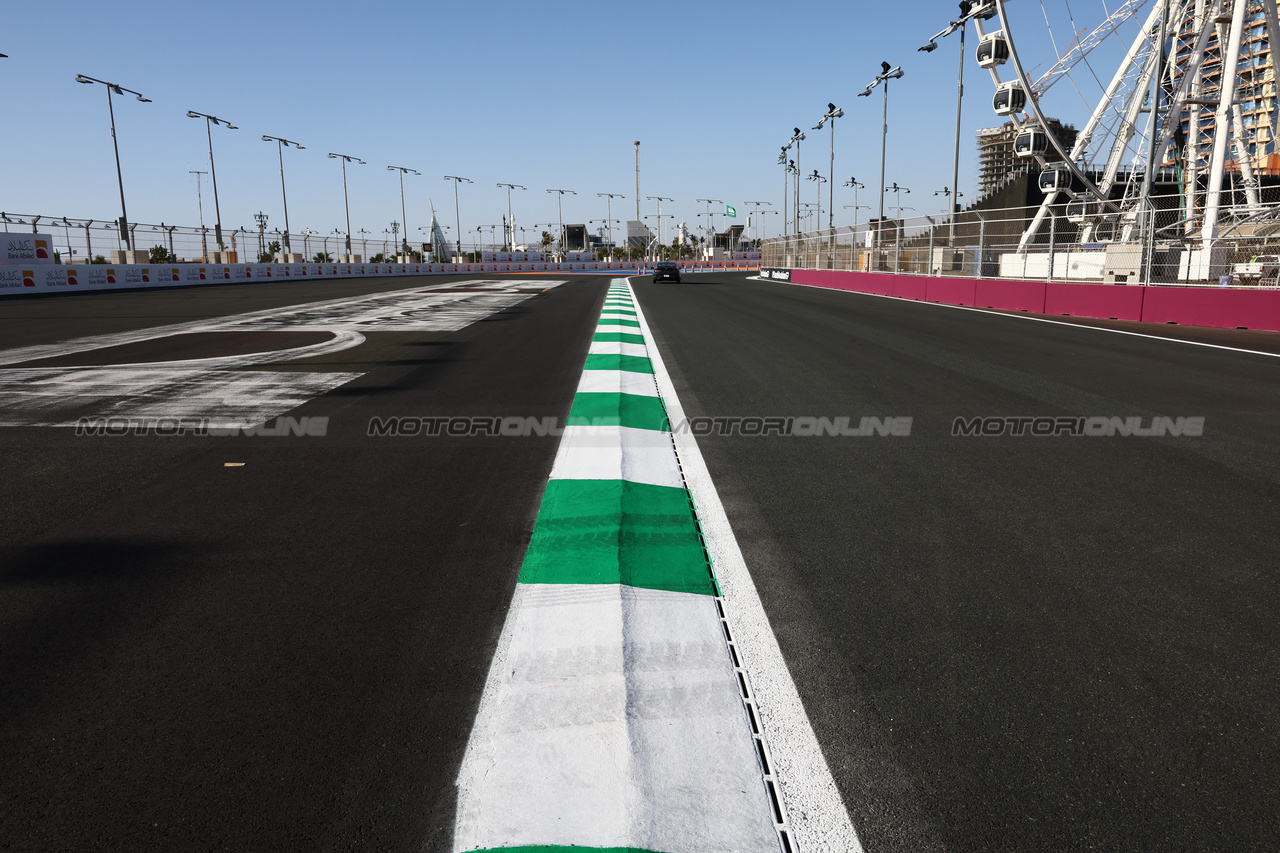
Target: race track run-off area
[(585, 563)]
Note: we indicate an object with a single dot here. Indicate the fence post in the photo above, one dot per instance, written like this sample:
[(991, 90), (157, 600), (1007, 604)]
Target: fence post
[(1149, 240), (929, 268), (982, 246), (1053, 229)]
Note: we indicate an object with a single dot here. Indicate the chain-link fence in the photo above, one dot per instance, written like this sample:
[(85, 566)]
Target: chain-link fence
[(1078, 241), (80, 241)]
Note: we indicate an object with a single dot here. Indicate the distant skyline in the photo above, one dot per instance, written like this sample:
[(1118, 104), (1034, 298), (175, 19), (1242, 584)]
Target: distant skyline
[(551, 96)]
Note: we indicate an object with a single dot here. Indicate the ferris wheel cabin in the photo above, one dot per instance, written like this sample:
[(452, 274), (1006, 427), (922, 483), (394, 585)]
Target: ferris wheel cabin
[(1009, 99), (993, 50)]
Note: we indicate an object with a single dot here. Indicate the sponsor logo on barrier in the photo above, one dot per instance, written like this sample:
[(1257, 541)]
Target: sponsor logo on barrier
[(175, 274), (146, 274), (72, 278), (1097, 426), (226, 272), (42, 250), (28, 278), (775, 274), (10, 278), (111, 276)]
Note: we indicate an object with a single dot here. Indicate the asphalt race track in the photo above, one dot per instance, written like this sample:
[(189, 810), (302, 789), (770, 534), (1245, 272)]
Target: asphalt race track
[(284, 655), (1015, 642), (279, 641)]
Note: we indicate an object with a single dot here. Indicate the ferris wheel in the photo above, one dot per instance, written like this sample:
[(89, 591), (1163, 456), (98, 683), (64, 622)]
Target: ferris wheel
[(1191, 91)]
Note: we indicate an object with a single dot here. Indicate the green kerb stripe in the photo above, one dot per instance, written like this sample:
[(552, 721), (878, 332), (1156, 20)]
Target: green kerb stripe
[(629, 363), (611, 409), (614, 531), (617, 337)]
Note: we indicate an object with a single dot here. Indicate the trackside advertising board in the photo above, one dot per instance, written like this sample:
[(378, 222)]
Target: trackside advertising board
[(25, 249), (41, 277)]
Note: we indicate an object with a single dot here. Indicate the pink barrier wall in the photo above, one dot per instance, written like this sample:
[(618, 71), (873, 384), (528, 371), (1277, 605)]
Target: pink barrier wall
[(953, 291), (907, 286), (1253, 309), (1122, 302), (1192, 306), (1010, 295)]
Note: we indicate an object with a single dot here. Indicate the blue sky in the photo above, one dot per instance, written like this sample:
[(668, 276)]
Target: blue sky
[(548, 95)]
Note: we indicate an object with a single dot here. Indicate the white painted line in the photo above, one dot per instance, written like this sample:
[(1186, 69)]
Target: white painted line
[(1019, 316), (816, 813), (617, 453), (205, 387), (410, 308), (226, 398), (611, 718), (342, 339), (617, 382)]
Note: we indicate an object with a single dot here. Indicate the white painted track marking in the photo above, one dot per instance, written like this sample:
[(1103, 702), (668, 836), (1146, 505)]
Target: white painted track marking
[(206, 387)]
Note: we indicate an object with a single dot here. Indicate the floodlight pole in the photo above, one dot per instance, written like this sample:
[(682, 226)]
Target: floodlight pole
[(345, 204), (119, 90), (886, 74), (403, 216), (511, 220), (609, 197), (833, 113), (457, 216), (280, 144), (796, 138), (560, 212), (209, 122)]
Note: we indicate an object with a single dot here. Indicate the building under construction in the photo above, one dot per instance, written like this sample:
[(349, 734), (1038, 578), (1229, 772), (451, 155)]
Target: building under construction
[(1253, 114), (998, 165)]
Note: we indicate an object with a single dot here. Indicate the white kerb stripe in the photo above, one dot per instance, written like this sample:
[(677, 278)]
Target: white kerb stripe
[(617, 382), (626, 330), (617, 453), (617, 348), (611, 718)]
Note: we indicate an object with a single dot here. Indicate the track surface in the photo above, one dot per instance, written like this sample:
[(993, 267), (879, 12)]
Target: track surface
[(285, 655), (1009, 643)]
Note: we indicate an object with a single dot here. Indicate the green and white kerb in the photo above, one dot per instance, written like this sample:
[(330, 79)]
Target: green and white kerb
[(612, 717)]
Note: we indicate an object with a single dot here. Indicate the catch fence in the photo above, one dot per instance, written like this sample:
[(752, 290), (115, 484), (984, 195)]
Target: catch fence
[(1159, 245)]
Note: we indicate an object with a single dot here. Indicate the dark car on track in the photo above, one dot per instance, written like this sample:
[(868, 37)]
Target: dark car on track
[(669, 270)]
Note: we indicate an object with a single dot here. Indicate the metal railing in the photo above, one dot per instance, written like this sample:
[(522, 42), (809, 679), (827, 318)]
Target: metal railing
[(1158, 245), (78, 240)]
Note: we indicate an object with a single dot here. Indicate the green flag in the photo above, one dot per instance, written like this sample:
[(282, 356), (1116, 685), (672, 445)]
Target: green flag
[(729, 211)]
